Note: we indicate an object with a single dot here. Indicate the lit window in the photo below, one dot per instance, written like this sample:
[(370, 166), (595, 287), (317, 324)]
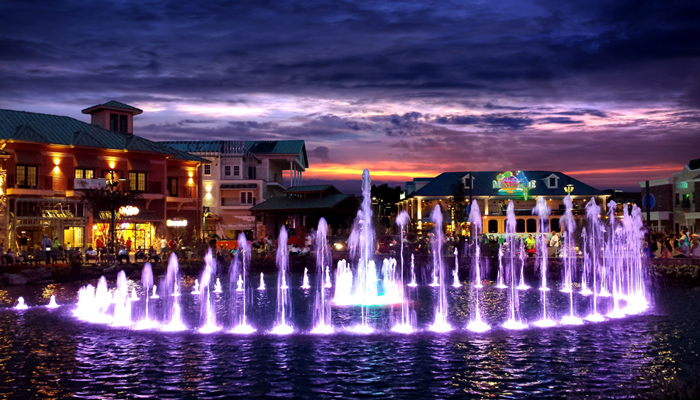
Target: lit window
[(137, 181), (83, 173), (26, 176)]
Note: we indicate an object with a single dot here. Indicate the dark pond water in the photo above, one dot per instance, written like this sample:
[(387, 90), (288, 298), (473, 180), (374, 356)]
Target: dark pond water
[(48, 354)]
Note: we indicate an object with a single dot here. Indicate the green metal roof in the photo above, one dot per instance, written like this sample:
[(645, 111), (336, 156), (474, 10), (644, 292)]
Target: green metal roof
[(55, 129), (115, 105), (443, 184), (283, 203), (297, 147)]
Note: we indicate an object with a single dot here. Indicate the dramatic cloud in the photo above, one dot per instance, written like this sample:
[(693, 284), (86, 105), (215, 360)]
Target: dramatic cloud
[(607, 90)]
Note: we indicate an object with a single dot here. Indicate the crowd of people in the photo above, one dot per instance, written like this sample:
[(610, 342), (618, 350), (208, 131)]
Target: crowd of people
[(674, 245)]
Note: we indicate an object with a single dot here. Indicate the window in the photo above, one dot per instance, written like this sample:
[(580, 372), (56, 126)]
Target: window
[(118, 123), (236, 170), (227, 170), (137, 181), (26, 176), (172, 187), (531, 226), (82, 173), (246, 197), (520, 225), (552, 182), (251, 172), (493, 226), (554, 225), (466, 181), (207, 169)]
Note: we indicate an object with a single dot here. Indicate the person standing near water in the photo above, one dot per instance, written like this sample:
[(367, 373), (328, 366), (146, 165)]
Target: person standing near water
[(46, 245)]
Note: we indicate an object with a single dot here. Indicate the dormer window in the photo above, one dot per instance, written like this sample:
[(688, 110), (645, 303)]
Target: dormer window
[(552, 181), (467, 181)]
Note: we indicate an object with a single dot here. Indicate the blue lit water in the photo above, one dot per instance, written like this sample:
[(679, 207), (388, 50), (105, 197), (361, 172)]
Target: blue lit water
[(48, 354)]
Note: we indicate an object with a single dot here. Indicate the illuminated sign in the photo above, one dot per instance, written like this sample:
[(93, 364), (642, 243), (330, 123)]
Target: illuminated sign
[(682, 185), (128, 211), (176, 223), (511, 184)]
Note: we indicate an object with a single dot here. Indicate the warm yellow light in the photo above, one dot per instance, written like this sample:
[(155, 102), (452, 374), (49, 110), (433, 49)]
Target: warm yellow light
[(208, 188), (56, 169), (190, 182), (56, 161), (191, 174), (112, 164)]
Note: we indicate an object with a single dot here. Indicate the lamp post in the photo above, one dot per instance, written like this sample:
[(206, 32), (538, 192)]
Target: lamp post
[(568, 189), (112, 181)]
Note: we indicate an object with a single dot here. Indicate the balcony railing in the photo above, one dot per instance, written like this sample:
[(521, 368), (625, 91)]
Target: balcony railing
[(40, 184), (230, 202), (187, 191)]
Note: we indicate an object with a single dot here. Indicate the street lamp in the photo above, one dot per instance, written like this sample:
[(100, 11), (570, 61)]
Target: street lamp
[(112, 182), (569, 188)]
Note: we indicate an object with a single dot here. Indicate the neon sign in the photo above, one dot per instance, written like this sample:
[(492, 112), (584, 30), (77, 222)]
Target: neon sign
[(128, 211), (176, 223), (511, 184)]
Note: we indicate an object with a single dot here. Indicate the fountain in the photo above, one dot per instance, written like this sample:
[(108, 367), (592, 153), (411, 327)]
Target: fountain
[(305, 283), (406, 322), (542, 210), (52, 302), (413, 273), (196, 287), (20, 304), (568, 249), (500, 284), (239, 268), (206, 303), (283, 325), (440, 323), (612, 260), (146, 283), (476, 324), (595, 243), (514, 318), (262, 282), (322, 302), (455, 272)]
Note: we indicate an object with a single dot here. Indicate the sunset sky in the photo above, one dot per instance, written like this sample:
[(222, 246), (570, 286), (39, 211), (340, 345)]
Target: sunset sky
[(607, 91)]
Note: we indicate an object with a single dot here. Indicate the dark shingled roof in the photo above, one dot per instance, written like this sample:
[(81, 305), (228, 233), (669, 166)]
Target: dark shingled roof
[(312, 188), (283, 203), (55, 129), (442, 185)]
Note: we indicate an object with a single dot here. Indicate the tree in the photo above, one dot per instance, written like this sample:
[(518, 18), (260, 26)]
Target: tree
[(458, 204), (104, 204), (386, 199)]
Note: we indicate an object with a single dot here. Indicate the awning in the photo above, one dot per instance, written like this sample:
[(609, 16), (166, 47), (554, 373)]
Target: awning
[(139, 164), (211, 215), (27, 157), (87, 161)]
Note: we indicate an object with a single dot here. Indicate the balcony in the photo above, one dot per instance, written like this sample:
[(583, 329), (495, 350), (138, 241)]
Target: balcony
[(184, 195), (40, 187), (237, 203)]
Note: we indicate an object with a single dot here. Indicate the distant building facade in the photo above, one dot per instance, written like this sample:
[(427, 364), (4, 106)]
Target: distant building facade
[(49, 160), (301, 207), (675, 204), (242, 174), (491, 191)]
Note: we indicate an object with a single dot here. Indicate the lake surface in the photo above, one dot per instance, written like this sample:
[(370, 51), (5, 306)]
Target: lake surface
[(49, 354)]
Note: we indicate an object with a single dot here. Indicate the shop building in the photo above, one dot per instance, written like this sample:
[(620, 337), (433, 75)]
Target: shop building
[(51, 161), (242, 174), (674, 204), (492, 191)]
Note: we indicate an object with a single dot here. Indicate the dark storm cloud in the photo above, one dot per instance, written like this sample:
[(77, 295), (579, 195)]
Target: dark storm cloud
[(558, 120), (321, 152)]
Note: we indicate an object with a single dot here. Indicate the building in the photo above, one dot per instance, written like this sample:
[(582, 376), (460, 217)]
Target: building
[(491, 191), (303, 206), (242, 174), (51, 160), (673, 204)]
